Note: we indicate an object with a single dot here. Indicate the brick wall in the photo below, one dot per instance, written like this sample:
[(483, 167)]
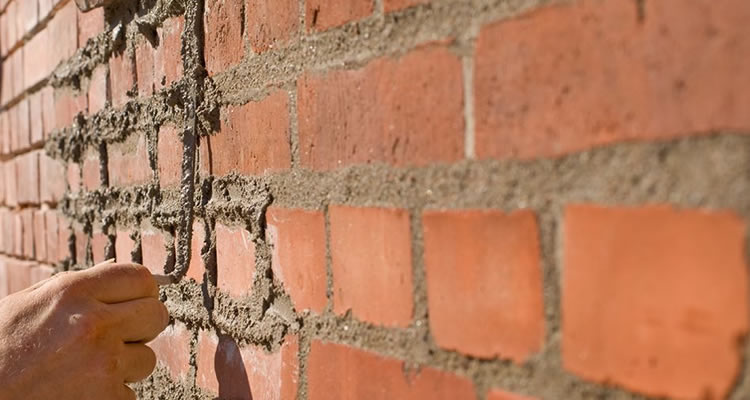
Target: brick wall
[(396, 199)]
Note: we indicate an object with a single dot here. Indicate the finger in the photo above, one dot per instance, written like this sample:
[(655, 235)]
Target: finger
[(115, 283), (138, 361), (125, 393), (139, 320)]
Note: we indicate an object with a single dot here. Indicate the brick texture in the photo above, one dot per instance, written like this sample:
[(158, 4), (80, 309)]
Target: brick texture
[(235, 259), (484, 282), (338, 372), (223, 30), (630, 311), (531, 107), (372, 259), (324, 14), (271, 23), (348, 117)]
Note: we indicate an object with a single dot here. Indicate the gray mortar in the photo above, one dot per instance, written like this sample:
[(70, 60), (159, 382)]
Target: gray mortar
[(709, 172)]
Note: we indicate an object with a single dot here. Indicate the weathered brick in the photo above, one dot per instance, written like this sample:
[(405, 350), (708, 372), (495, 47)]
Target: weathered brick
[(324, 14), (27, 223), (153, 248), (128, 162), (51, 179), (170, 156), (631, 315), (22, 134), (167, 58), (19, 275), (67, 106), (17, 72), (254, 138), (338, 372), (395, 5), (82, 256), (124, 246), (371, 259), (235, 259), (99, 242), (271, 23), (64, 29), (40, 235), (55, 253), (8, 225), (28, 16), (39, 60), (49, 112), (222, 34), (90, 24), (144, 68), (2, 181), (27, 170), (172, 348), (535, 74), (64, 236), (384, 112), (91, 171), (122, 77), (11, 187), (73, 177), (98, 92), (36, 127), (235, 372), (484, 282), (4, 132), (298, 238)]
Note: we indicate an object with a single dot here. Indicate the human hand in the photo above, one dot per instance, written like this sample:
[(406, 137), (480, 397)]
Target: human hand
[(80, 335)]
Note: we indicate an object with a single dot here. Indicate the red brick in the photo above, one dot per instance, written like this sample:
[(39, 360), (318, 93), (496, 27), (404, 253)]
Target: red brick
[(73, 176), (384, 112), (51, 179), (22, 135), (28, 16), (40, 60), (27, 221), (36, 128), (172, 348), (631, 311), (63, 247), (298, 238), (196, 268), (4, 37), (81, 248), (168, 58), (49, 112), (170, 156), (324, 14), (144, 68), (534, 75), (27, 170), (8, 231), (500, 395), (484, 282), (338, 372), (18, 72), (99, 242), (270, 23), (19, 275), (45, 7), (51, 224), (254, 138), (371, 259), (17, 234), (124, 246), (41, 273), (67, 106), (98, 90), (128, 162), (395, 5), (222, 27), (4, 133), (91, 171), (64, 29), (90, 24), (11, 187), (122, 77), (235, 259), (40, 235), (2, 181), (3, 267), (232, 372), (153, 248)]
